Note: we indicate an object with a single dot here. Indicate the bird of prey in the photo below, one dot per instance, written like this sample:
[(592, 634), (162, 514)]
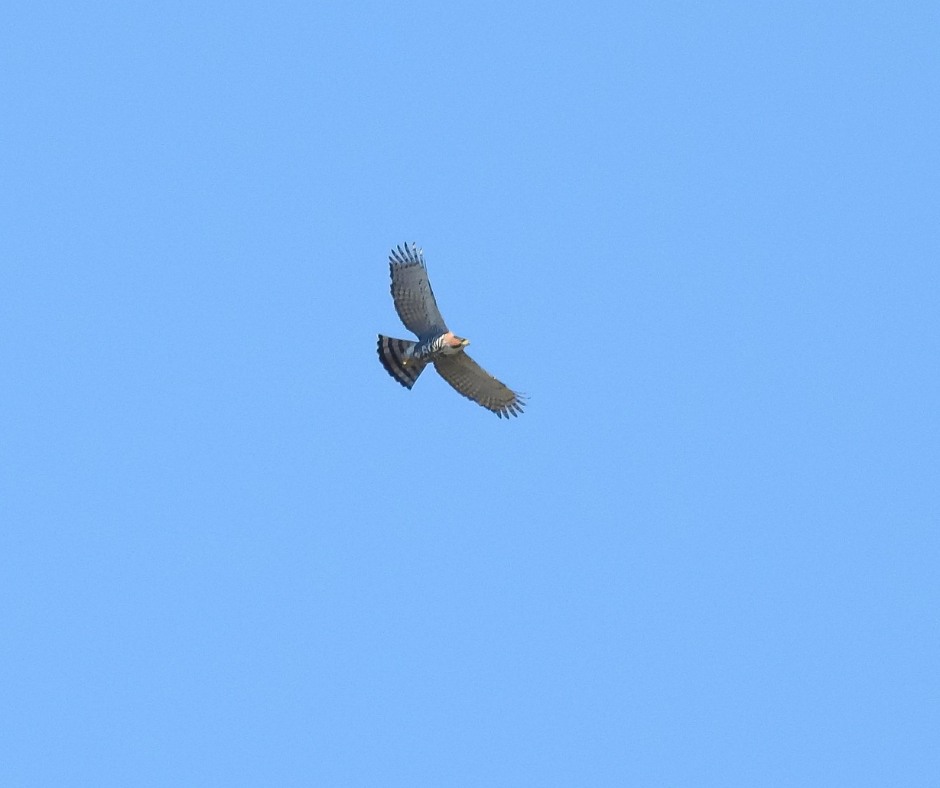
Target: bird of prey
[(404, 360)]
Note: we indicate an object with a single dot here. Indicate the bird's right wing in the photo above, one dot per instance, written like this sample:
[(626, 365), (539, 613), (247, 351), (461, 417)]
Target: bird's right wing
[(411, 291), (474, 382)]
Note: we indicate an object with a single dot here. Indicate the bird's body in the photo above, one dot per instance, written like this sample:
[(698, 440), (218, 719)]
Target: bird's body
[(442, 345), (405, 359)]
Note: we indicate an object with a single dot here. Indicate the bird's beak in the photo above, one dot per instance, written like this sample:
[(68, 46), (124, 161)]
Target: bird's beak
[(464, 342)]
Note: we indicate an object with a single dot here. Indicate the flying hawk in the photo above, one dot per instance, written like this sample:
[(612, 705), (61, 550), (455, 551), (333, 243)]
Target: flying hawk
[(404, 360)]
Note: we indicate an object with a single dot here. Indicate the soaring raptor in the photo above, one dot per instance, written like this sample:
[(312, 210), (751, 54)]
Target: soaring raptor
[(404, 360)]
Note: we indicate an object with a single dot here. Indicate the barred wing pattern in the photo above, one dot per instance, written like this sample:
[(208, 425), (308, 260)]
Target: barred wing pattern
[(474, 382), (411, 291)]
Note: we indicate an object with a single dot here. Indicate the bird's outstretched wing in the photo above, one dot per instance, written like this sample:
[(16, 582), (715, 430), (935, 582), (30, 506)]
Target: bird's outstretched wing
[(474, 382), (411, 291)]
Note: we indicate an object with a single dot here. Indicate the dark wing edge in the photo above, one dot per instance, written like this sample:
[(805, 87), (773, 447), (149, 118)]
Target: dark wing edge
[(475, 383)]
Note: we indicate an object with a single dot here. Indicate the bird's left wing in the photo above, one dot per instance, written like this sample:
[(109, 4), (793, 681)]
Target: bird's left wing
[(411, 291), (474, 382)]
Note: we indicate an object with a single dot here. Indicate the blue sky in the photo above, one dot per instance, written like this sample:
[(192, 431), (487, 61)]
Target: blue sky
[(702, 237)]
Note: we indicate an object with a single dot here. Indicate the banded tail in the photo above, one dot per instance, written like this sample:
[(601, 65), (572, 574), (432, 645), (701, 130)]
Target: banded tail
[(392, 354)]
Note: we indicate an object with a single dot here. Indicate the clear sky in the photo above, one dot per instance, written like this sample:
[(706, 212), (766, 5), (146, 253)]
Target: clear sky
[(703, 237)]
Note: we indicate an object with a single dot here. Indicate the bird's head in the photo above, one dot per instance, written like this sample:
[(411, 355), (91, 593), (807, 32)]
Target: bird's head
[(455, 341)]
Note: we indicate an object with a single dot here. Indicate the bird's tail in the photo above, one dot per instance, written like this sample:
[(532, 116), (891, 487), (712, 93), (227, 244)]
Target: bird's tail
[(393, 353)]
